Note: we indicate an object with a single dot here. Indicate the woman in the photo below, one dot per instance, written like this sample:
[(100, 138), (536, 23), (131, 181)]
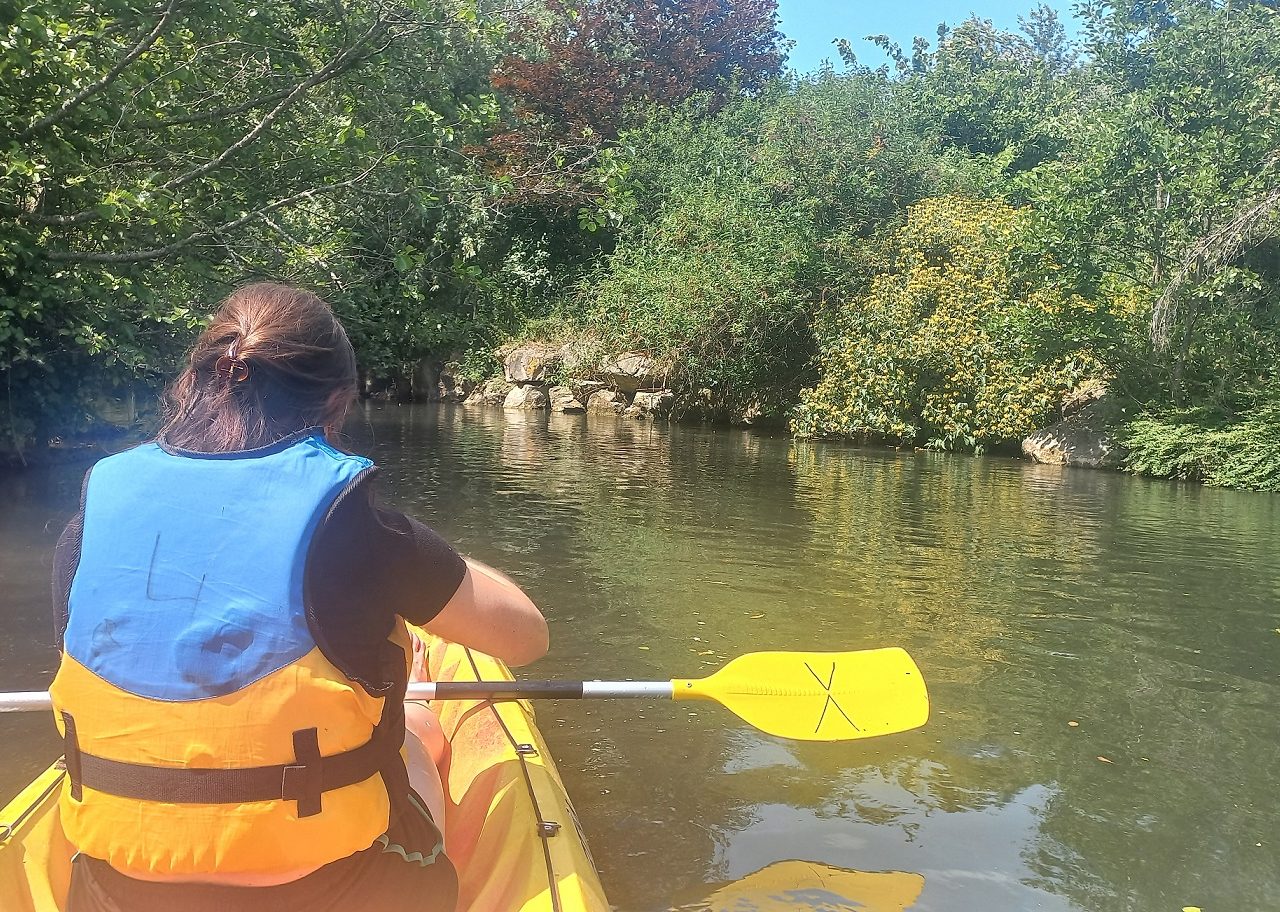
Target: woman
[(232, 607)]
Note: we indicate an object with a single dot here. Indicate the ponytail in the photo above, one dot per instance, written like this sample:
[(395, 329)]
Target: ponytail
[(273, 360)]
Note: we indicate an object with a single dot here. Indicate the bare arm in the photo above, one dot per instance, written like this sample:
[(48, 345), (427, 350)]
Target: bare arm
[(491, 613)]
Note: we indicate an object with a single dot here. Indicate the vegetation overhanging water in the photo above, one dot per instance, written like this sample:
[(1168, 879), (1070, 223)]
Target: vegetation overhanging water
[(935, 247)]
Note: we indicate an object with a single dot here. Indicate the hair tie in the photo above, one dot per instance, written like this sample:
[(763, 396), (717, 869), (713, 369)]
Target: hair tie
[(231, 367)]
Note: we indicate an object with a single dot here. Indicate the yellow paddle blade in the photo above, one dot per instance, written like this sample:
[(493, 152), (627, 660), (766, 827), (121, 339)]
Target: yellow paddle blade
[(819, 696)]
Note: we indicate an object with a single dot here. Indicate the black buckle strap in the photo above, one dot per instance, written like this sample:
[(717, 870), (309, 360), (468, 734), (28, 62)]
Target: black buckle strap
[(303, 781), (71, 749)]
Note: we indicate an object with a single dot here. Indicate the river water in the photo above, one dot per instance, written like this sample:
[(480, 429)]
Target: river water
[(1147, 613)]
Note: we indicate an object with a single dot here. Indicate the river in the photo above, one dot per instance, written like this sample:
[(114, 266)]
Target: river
[(1032, 597)]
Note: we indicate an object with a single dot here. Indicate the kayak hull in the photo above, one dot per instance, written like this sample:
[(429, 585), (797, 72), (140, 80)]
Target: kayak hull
[(512, 832)]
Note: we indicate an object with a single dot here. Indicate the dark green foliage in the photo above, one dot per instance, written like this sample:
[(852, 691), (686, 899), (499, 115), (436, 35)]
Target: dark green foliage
[(754, 239), (1198, 445), (154, 155)]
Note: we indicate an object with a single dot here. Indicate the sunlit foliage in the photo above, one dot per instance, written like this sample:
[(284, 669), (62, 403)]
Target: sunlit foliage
[(733, 221), (948, 345), (1200, 445), (153, 155)]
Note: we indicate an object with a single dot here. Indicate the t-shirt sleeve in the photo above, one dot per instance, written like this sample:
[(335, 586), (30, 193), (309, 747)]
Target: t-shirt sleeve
[(66, 559), (367, 565), (423, 570)]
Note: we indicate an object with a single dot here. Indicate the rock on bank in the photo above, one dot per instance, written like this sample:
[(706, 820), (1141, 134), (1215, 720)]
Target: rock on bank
[(1081, 438)]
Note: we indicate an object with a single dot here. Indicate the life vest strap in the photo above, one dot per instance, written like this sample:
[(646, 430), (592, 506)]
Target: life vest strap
[(72, 755), (303, 781)]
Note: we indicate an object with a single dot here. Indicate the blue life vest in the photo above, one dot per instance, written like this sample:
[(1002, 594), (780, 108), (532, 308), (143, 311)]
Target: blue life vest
[(190, 581)]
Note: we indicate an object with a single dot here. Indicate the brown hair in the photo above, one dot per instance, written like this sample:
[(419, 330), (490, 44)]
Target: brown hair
[(273, 360)]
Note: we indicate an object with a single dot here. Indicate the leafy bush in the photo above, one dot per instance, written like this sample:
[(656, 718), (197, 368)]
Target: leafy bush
[(712, 291), (730, 227), (1241, 452), (844, 152), (957, 340)]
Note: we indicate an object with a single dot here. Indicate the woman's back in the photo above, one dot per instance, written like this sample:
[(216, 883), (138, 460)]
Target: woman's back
[(235, 651)]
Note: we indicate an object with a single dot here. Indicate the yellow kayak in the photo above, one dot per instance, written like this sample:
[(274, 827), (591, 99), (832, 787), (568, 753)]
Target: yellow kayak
[(513, 835)]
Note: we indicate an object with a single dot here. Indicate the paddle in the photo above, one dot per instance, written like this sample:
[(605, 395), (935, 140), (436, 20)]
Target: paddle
[(808, 696)]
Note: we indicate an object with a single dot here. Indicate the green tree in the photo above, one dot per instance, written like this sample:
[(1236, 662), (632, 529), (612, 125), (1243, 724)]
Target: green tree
[(155, 154), (1169, 193), (735, 223)]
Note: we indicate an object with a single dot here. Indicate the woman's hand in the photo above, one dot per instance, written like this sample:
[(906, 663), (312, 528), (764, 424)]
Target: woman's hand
[(492, 614)]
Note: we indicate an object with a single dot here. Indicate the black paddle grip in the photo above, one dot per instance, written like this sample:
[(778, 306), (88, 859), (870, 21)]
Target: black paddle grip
[(508, 690)]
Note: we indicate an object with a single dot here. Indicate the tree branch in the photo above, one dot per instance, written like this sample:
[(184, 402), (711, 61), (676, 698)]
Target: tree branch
[(340, 64), (337, 281), (156, 253), (1251, 223), (217, 114), (110, 76), (335, 67)]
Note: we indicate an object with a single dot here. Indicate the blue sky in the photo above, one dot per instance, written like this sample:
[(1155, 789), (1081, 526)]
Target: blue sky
[(812, 24)]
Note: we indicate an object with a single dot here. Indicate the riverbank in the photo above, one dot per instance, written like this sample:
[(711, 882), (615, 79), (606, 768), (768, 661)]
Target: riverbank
[(1090, 427)]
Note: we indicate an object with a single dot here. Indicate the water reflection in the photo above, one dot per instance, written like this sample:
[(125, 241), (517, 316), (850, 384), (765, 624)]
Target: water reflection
[(792, 886), (1031, 596)]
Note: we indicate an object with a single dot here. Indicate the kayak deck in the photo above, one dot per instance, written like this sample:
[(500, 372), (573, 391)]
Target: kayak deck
[(512, 833)]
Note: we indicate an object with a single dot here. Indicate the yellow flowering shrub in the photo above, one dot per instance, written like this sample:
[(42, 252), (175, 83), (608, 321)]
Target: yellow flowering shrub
[(959, 340)]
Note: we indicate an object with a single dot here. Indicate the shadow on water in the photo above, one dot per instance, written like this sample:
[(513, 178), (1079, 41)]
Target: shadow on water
[(1032, 597), (34, 507)]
